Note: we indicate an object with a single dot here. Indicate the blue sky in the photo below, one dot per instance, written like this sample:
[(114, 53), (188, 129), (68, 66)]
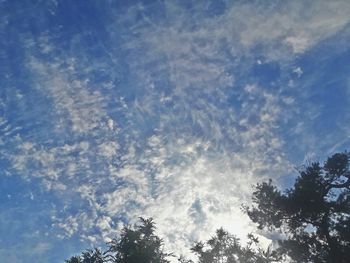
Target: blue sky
[(110, 110)]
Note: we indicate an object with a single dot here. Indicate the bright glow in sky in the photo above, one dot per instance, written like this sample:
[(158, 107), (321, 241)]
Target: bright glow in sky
[(111, 110)]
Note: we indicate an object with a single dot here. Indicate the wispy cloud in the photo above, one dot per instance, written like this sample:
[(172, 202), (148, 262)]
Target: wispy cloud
[(189, 128)]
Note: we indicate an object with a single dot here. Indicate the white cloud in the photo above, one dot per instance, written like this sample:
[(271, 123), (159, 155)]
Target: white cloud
[(187, 38), (108, 149), (298, 24), (41, 248), (298, 71), (298, 43), (185, 154), (70, 226), (81, 109)]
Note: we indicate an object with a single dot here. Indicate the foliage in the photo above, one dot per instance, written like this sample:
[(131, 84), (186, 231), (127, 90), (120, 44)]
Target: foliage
[(226, 248), (314, 214), (136, 244), (89, 256)]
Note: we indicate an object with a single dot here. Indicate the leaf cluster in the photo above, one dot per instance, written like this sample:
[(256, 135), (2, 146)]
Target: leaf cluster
[(135, 244), (314, 214)]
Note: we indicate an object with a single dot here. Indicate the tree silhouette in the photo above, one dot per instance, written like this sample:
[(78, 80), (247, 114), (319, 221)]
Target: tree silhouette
[(226, 248), (314, 214), (89, 256), (136, 244)]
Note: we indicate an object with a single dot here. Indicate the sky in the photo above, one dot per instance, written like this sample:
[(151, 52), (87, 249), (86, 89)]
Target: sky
[(111, 110)]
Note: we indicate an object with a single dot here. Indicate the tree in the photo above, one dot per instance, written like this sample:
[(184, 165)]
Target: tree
[(226, 248), (136, 244), (314, 214), (74, 259), (89, 256)]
